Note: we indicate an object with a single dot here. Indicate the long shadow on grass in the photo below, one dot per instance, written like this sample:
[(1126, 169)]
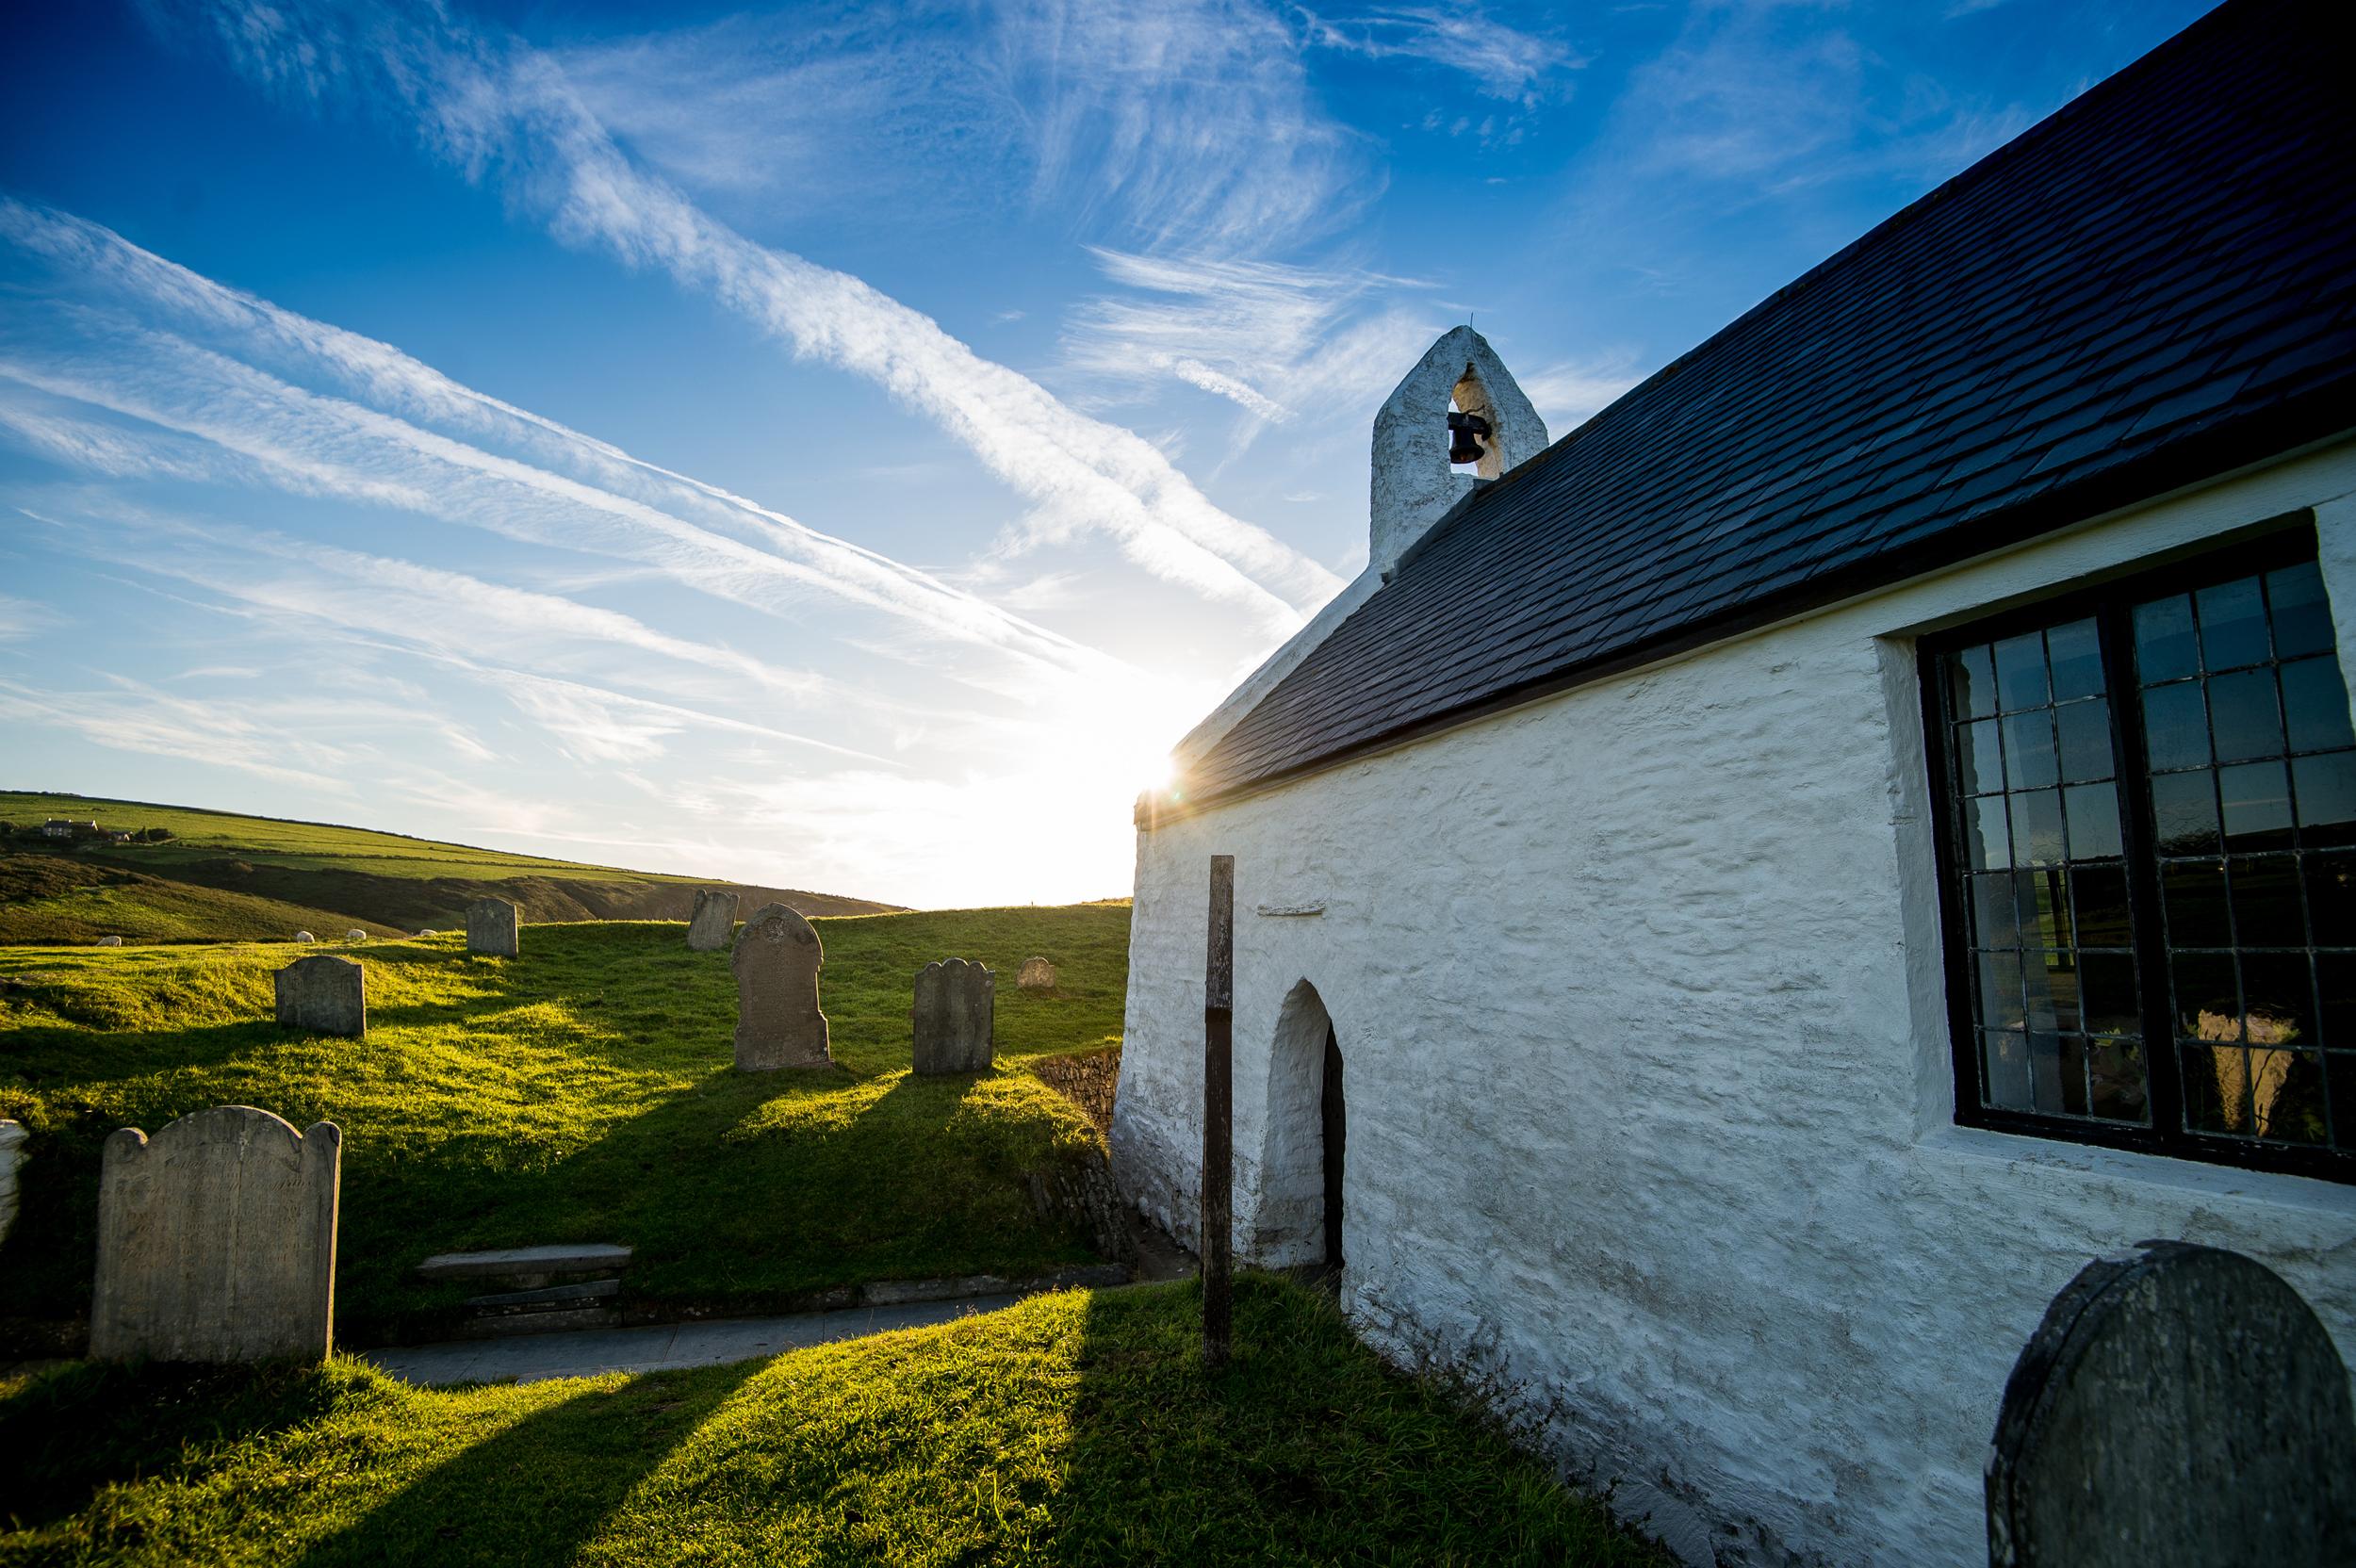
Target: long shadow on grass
[(539, 1490)]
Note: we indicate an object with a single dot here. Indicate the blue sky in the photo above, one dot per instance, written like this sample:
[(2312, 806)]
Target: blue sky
[(839, 446)]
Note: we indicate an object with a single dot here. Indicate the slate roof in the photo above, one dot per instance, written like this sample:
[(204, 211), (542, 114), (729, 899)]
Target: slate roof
[(2152, 286)]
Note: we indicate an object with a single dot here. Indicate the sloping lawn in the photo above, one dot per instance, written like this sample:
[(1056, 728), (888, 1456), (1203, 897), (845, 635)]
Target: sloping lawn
[(583, 1092), (1078, 1428)]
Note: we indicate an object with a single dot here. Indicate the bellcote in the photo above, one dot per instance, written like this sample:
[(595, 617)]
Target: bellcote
[(1415, 482)]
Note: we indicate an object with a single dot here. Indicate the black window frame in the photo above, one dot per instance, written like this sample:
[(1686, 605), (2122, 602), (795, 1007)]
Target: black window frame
[(2283, 542)]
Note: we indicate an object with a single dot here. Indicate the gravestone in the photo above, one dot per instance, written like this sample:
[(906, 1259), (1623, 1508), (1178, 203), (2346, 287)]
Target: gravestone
[(216, 1240), (324, 994), (1037, 974), (713, 921), (493, 926), (12, 1136), (2178, 1404), (305, 937), (955, 1003), (778, 1021), (109, 941), (356, 934)]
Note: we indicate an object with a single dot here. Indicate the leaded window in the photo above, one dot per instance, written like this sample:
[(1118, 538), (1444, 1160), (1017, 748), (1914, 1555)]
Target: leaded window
[(2149, 804)]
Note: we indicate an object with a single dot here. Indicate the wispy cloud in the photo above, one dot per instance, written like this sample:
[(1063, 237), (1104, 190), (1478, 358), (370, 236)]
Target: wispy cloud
[(1504, 61), (1566, 393), (503, 111)]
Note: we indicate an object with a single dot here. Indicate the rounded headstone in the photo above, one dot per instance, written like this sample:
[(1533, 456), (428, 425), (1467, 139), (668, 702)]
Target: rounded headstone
[(953, 1016), (1037, 974), (714, 921), (777, 961), (324, 994), (495, 926), (2181, 1404)]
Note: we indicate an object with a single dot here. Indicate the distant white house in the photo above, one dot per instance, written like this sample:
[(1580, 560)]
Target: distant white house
[(1792, 869), (65, 828)]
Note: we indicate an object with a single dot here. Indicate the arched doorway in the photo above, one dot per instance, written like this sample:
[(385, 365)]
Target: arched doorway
[(1300, 1219)]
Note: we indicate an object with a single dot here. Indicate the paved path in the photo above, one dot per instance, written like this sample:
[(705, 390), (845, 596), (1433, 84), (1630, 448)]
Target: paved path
[(660, 1347)]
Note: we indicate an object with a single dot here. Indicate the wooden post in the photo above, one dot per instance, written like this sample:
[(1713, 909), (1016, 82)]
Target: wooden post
[(1218, 1130)]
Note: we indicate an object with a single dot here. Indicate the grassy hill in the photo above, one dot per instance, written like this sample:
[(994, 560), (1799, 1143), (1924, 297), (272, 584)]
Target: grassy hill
[(581, 1092), (1074, 1429), (223, 877)]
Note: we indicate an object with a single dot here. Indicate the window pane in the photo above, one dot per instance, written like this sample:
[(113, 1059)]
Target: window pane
[(2092, 810), (2084, 728), (2036, 828), (1988, 837), (2101, 905), (2233, 624), (2045, 1073), (2000, 1005), (2243, 717), (2115, 1069), (2278, 998), (2302, 617), (2029, 750), (2265, 902), (1992, 923), (2207, 1005), (2256, 800), (2107, 994), (2327, 798), (2020, 670), (2336, 999), (2314, 705), (2193, 894), (2164, 646), (2044, 906), (1979, 763), (2340, 1087), (2053, 986), (2175, 726), (2076, 655), (2331, 899), (2183, 812), (2004, 1069), (1972, 683)]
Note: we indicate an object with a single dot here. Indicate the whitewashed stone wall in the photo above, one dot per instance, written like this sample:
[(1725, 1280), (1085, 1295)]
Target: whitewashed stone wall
[(1639, 996)]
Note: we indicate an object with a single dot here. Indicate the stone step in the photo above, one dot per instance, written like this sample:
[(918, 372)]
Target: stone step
[(529, 1268), (548, 1298), (498, 1326)]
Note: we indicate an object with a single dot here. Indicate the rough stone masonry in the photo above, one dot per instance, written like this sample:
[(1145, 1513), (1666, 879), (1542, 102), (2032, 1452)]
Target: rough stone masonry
[(955, 1015), (777, 1021), (495, 926), (714, 921), (324, 994), (216, 1240)]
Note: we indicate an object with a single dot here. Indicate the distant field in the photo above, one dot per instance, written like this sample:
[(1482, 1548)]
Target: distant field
[(226, 878), (583, 1092), (1079, 1428)]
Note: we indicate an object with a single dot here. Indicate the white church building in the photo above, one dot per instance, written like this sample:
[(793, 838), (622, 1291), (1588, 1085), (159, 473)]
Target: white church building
[(1735, 906)]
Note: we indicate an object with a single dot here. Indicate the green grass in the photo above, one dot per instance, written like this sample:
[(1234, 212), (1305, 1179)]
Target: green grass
[(583, 1092), (227, 878), (1078, 1428), (203, 834)]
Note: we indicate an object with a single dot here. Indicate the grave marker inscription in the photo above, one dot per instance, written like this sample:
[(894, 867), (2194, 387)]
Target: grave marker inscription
[(777, 1021), (216, 1240), (324, 994), (955, 1015), (714, 921), (493, 926)]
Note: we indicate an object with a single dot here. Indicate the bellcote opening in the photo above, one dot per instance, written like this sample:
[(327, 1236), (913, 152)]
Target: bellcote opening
[(1472, 445)]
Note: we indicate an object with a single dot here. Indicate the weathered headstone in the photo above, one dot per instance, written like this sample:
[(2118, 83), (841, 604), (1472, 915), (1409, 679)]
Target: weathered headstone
[(305, 937), (2178, 1404), (778, 1021), (356, 934), (324, 994), (109, 941), (1037, 974), (713, 921), (216, 1240), (13, 1137), (957, 1001), (493, 926)]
